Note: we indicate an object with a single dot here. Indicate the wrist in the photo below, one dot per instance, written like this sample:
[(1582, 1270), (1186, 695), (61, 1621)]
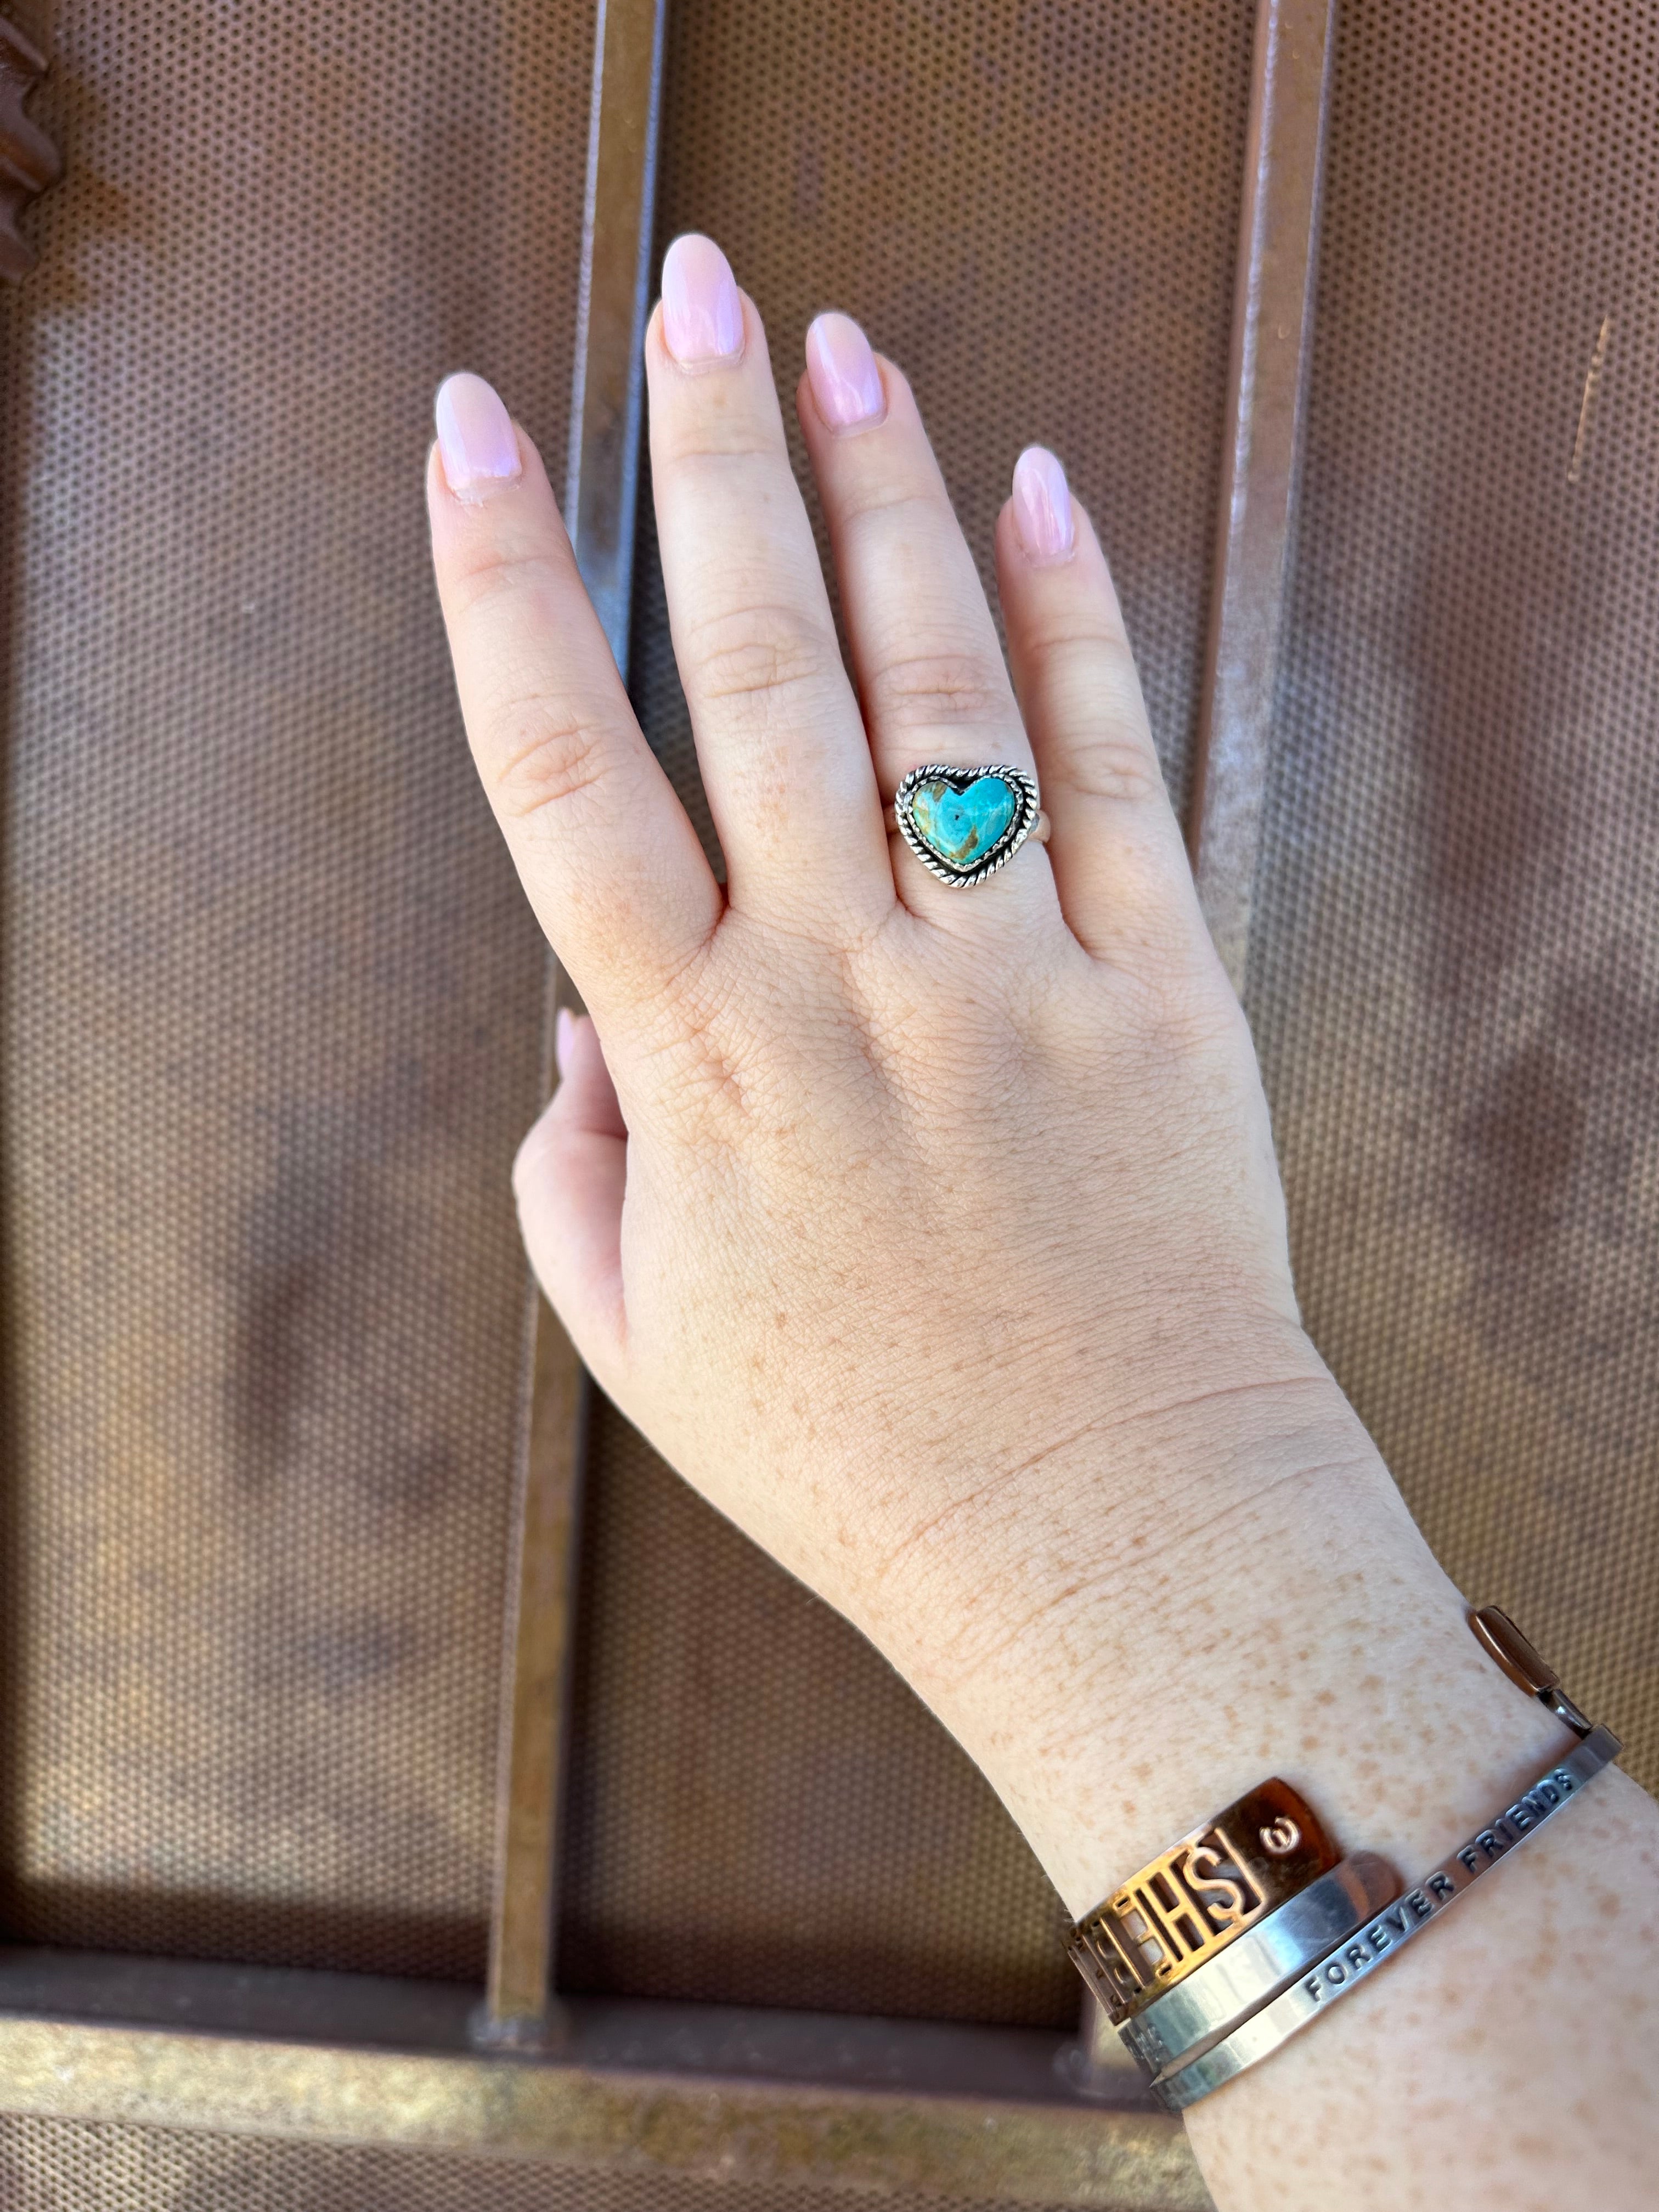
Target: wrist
[(1249, 1596)]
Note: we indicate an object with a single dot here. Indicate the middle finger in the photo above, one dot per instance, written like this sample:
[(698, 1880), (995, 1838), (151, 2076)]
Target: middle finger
[(780, 740)]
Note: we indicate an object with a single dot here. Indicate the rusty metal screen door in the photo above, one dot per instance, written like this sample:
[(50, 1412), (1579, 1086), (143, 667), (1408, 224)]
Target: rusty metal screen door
[(410, 1788)]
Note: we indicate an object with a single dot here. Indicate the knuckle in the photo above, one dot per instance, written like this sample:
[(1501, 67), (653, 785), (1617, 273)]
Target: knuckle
[(495, 573), (756, 652), (1117, 765), (546, 754), (706, 441), (919, 690), (1187, 1015), (1094, 701)]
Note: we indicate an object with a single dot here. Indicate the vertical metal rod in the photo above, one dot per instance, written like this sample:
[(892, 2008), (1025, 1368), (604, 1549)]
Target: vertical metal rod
[(521, 2010), (1098, 2065), (608, 397), (1272, 328), (1267, 385)]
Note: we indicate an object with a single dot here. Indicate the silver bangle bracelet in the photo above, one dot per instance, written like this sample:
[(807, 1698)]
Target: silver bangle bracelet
[(1348, 1963), (1233, 1983)]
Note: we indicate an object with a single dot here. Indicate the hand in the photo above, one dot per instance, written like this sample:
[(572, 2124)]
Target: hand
[(935, 1234), (888, 1207)]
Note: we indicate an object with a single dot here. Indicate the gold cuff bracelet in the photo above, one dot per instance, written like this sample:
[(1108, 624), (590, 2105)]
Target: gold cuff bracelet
[(1198, 1896)]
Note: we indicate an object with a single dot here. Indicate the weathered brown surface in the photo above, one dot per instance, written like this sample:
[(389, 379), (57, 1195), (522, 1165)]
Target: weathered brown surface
[(272, 998), (90, 2167), (760, 1811), (785, 2135), (259, 943), (1455, 976)]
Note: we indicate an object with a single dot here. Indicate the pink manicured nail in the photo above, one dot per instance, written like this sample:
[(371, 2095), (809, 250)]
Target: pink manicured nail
[(701, 313), (564, 1028), (841, 370), (476, 437), (1042, 506)]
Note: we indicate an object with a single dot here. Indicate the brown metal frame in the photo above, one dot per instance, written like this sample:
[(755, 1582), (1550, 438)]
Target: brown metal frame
[(985, 2115), (601, 496), (978, 2114), (1272, 328)]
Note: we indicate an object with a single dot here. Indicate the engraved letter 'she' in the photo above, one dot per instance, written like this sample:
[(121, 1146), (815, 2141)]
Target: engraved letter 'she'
[(1197, 1896), (1225, 1903)]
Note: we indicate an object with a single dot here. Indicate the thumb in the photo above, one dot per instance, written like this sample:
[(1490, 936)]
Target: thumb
[(569, 1179)]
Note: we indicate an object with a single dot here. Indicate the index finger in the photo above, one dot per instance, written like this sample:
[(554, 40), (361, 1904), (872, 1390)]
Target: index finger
[(607, 854)]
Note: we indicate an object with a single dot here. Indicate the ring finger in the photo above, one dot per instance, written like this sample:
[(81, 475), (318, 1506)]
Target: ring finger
[(930, 676)]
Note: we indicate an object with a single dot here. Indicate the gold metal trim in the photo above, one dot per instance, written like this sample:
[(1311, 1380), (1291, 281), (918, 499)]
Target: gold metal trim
[(975, 2150), (1199, 1895), (1525, 1665)]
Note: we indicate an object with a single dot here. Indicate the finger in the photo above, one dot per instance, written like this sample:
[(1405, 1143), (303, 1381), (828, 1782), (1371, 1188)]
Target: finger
[(1118, 859), (779, 735), (930, 669), (611, 863), (569, 1180)]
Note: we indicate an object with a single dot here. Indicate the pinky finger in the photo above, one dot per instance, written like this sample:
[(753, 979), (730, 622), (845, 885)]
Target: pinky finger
[(569, 1180), (1120, 865)]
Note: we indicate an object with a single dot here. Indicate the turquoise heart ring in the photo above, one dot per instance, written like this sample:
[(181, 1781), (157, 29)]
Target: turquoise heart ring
[(965, 823)]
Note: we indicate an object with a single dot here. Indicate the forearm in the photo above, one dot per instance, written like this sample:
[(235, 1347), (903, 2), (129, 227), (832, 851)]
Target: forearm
[(1131, 1669), (929, 1225)]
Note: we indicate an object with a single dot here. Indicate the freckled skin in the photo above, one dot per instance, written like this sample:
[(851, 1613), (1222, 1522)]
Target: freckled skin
[(983, 1180)]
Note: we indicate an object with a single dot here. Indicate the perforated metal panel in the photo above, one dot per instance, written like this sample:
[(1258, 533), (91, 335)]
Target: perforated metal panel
[(1033, 210), (1031, 206), (59, 2166), (1456, 972), (760, 1803), (272, 995)]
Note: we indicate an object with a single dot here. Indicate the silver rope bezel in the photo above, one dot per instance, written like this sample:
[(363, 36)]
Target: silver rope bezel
[(1024, 789)]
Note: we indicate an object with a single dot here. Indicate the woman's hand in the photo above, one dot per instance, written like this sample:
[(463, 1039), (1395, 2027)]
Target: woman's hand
[(910, 1204), (934, 1234)]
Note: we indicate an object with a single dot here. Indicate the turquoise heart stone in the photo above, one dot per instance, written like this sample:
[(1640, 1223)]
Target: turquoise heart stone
[(963, 826)]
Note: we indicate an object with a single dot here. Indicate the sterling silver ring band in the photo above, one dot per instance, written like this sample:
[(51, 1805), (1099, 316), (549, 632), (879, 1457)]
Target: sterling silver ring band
[(1348, 1963), (1257, 1964)]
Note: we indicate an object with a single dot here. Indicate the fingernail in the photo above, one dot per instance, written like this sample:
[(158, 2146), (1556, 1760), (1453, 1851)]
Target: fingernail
[(475, 438), (1042, 506), (701, 313), (841, 370), (564, 1028)]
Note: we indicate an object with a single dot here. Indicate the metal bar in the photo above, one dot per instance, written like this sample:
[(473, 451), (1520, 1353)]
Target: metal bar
[(285, 2003), (1273, 325), (889, 2107), (519, 2009), (607, 399), (1098, 2063)]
